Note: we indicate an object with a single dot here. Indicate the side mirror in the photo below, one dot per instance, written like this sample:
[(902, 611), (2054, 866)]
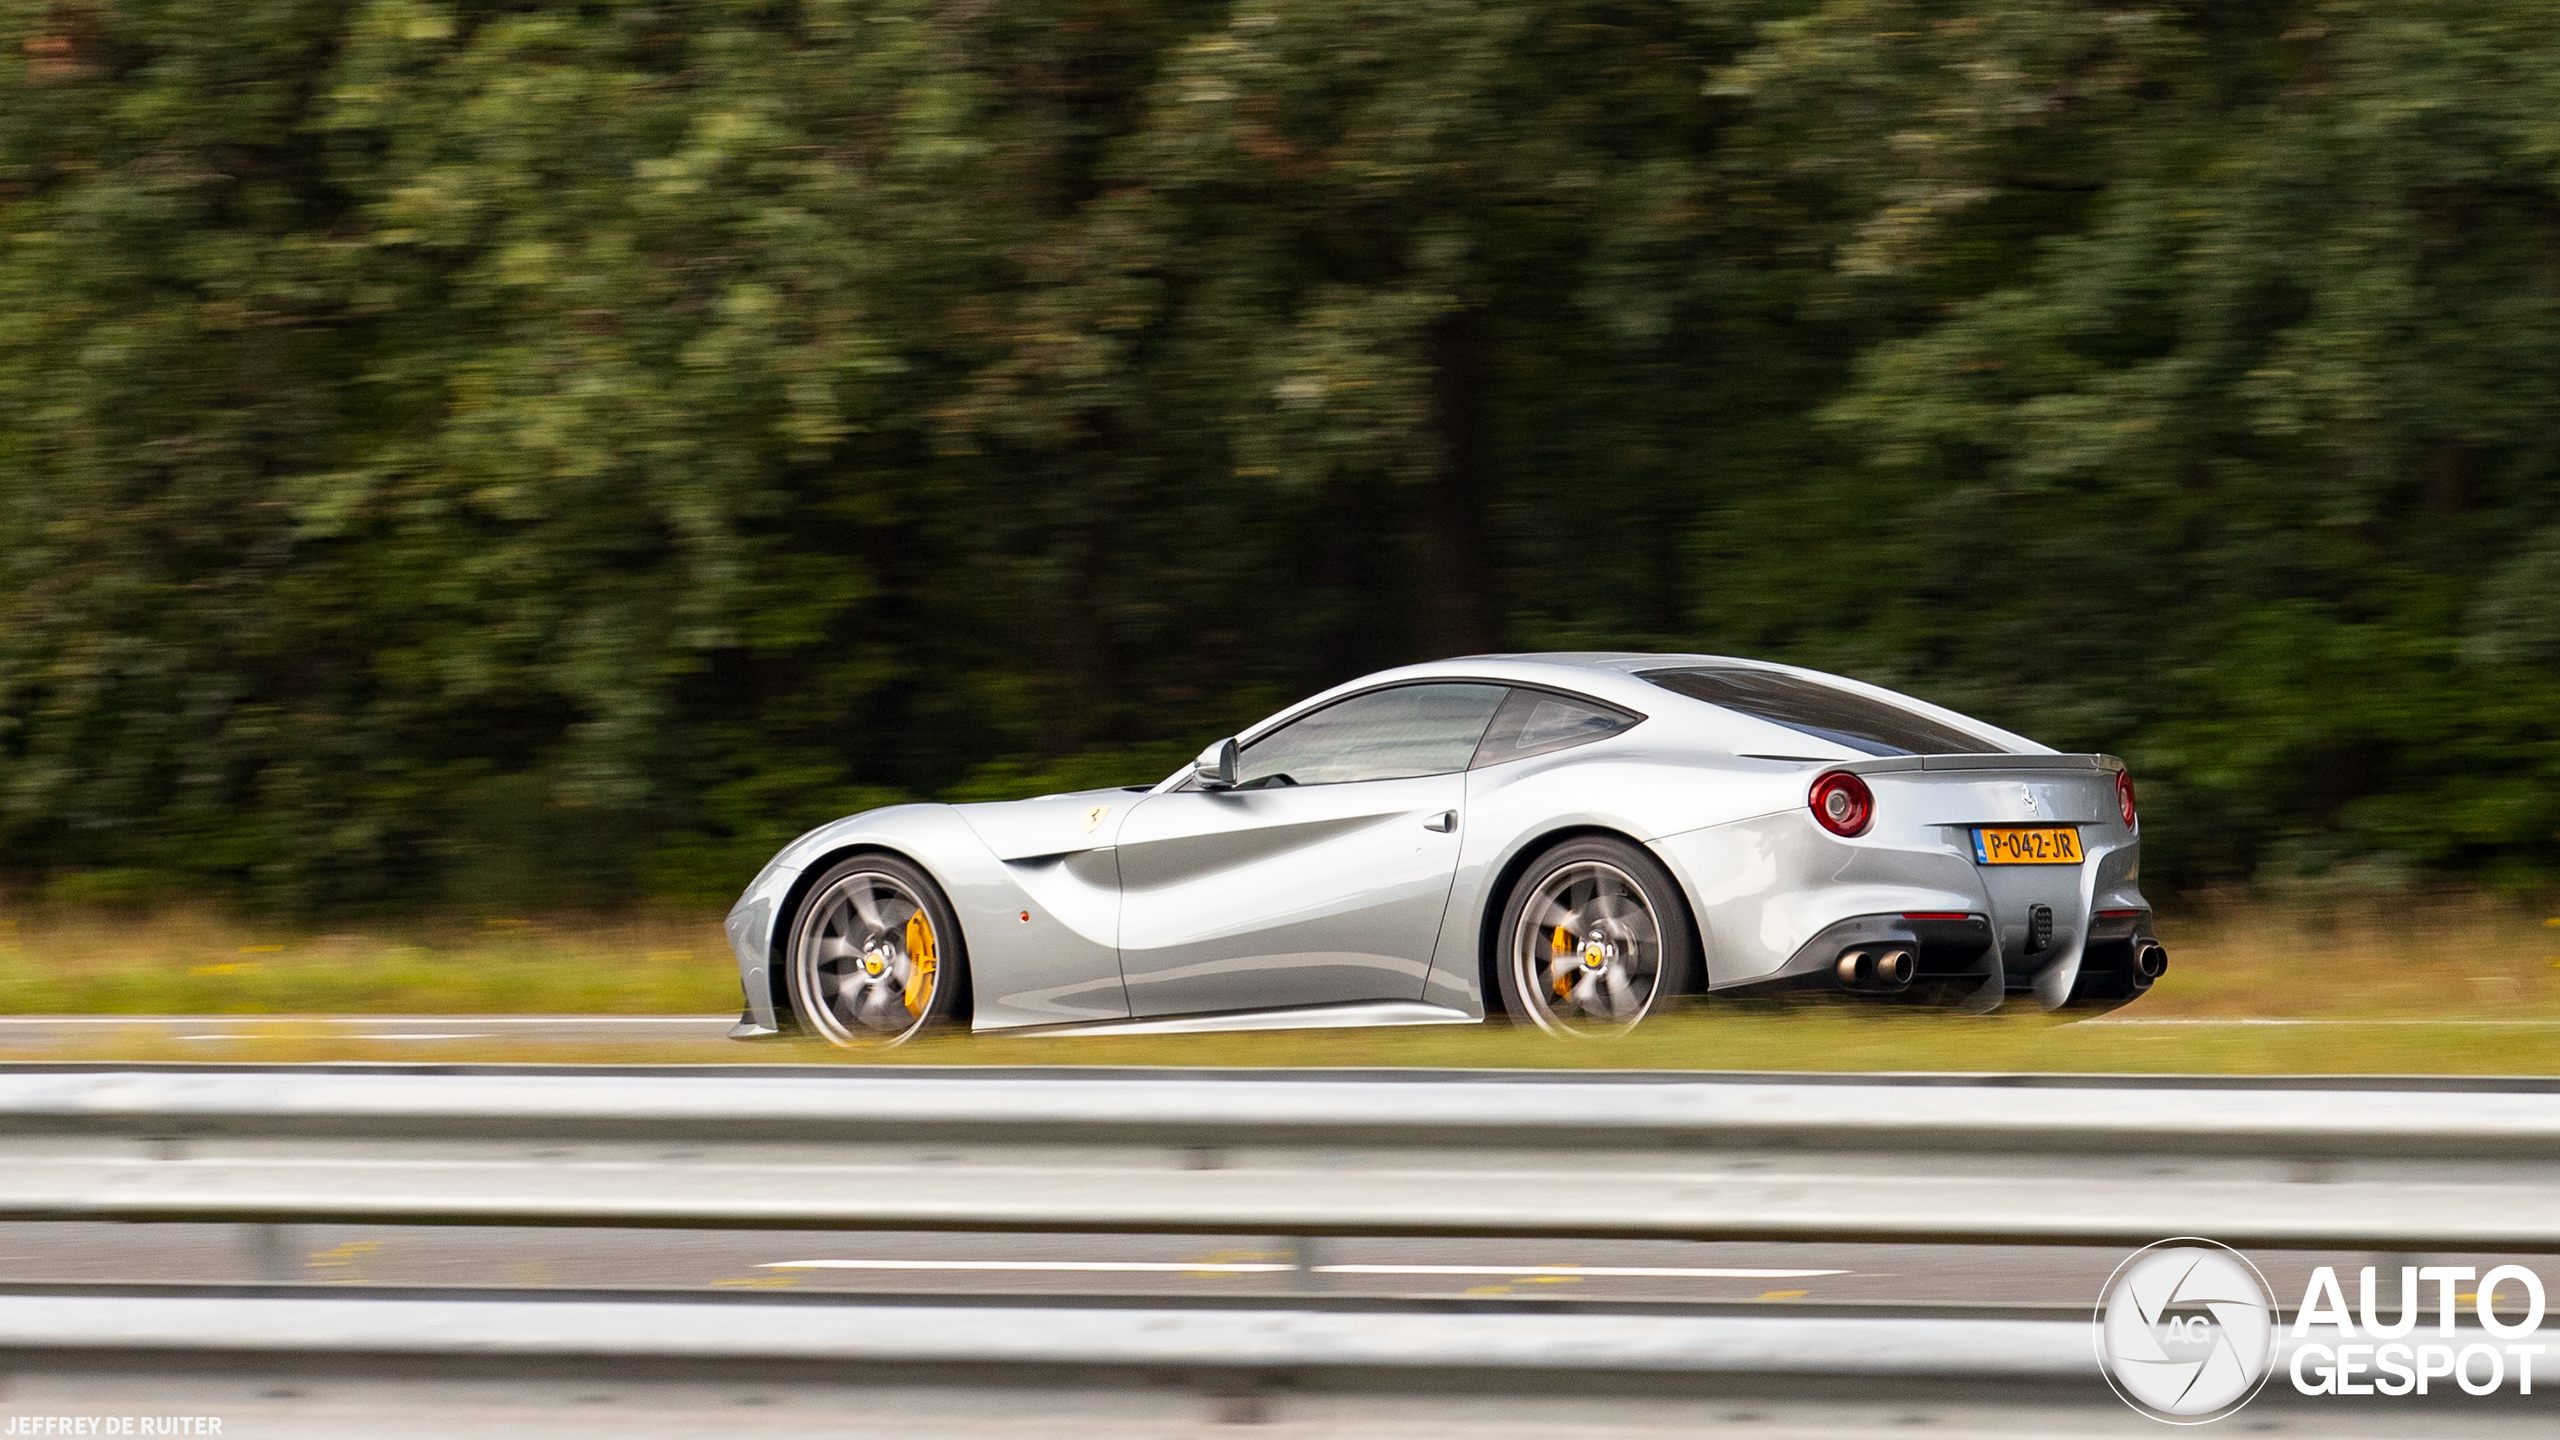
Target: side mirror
[(1216, 767)]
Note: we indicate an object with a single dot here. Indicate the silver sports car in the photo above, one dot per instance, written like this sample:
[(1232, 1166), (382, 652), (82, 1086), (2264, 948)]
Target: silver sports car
[(1574, 841)]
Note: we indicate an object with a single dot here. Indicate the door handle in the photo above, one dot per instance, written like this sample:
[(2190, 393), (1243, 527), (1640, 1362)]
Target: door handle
[(1444, 822)]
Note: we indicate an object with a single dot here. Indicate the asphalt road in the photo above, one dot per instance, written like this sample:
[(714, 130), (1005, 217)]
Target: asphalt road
[(219, 1033), (1170, 1266)]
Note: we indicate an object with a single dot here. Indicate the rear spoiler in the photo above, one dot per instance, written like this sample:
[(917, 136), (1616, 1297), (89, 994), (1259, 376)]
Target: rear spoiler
[(2075, 763)]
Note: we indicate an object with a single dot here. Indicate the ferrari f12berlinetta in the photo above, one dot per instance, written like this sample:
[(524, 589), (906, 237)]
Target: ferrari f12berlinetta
[(1573, 841)]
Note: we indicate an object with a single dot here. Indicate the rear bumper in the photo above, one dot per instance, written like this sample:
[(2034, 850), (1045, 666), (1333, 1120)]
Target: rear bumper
[(2108, 976), (1777, 899), (1958, 961), (1962, 962)]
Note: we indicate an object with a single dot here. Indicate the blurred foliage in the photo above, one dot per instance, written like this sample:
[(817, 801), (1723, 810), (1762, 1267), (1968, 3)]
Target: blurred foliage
[(483, 452)]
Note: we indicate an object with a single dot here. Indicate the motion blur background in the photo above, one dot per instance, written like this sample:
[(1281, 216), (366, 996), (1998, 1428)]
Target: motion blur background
[(476, 478), (548, 454)]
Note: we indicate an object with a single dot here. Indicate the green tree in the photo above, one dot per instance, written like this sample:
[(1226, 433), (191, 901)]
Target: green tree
[(532, 453)]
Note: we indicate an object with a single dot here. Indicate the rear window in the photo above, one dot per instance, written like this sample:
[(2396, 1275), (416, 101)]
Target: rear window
[(1870, 726)]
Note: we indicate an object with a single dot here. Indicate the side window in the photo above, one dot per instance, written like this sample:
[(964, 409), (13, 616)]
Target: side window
[(1383, 735), (1533, 722)]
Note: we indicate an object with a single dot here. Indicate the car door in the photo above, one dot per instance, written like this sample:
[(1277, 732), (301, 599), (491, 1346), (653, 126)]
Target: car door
[(1321, 877)]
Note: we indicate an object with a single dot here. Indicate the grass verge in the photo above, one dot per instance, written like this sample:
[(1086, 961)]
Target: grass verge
[(1731, 1039), (2448, 984), (57, 961)]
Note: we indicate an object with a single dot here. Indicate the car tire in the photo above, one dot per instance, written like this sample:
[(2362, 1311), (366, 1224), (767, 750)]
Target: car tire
[(876, 956), (1608, 944)]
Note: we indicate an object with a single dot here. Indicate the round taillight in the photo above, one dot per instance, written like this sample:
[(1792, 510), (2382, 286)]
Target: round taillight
[(1842, 803), (2124, 796)]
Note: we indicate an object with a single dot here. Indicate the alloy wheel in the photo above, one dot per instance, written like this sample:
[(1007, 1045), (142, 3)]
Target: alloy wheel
[(1586, 953), (869, 961)]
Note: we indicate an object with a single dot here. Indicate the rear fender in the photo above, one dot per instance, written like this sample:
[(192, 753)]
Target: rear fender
[(1763, 888)]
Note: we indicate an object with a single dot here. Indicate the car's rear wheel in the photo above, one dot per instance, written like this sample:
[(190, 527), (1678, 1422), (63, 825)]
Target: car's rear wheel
[(876, 955), (1594, 939)]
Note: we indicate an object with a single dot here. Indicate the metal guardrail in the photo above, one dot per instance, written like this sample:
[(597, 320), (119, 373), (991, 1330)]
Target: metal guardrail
[(412, 1366), (1649, 1156)]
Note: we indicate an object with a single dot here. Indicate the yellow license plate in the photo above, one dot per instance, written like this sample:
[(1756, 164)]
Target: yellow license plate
[(2059, 845)]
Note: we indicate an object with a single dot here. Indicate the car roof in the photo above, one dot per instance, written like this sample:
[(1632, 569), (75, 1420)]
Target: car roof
[(1615, 676)]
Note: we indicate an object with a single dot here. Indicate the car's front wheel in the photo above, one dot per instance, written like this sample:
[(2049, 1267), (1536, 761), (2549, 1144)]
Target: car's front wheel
[(1594, 939), (876, 956)]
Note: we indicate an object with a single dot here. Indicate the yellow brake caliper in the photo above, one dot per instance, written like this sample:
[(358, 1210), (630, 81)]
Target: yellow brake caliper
[(1561, 946), (920, 961)]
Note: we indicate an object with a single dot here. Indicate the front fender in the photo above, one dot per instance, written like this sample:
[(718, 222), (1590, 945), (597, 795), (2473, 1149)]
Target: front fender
[(753, 921), (1027, 965)]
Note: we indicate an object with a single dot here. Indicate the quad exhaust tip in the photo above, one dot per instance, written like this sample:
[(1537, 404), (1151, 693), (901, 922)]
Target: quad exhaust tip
[(2151, 960), (1884, 969)]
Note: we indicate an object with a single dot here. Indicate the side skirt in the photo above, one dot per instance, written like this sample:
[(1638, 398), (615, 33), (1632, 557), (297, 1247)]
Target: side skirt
[(1312, 1017)]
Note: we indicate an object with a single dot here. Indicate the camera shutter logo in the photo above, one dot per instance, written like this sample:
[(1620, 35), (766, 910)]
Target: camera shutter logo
[(2186, 1333)]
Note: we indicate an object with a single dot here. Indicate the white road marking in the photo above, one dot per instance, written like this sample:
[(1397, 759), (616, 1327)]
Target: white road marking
[(2235, 1021), (388, 1035), (725, 1020), (364, 1027), (1223, 1267), (369, 1020), (1177, 1267), (1676, 1272)]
